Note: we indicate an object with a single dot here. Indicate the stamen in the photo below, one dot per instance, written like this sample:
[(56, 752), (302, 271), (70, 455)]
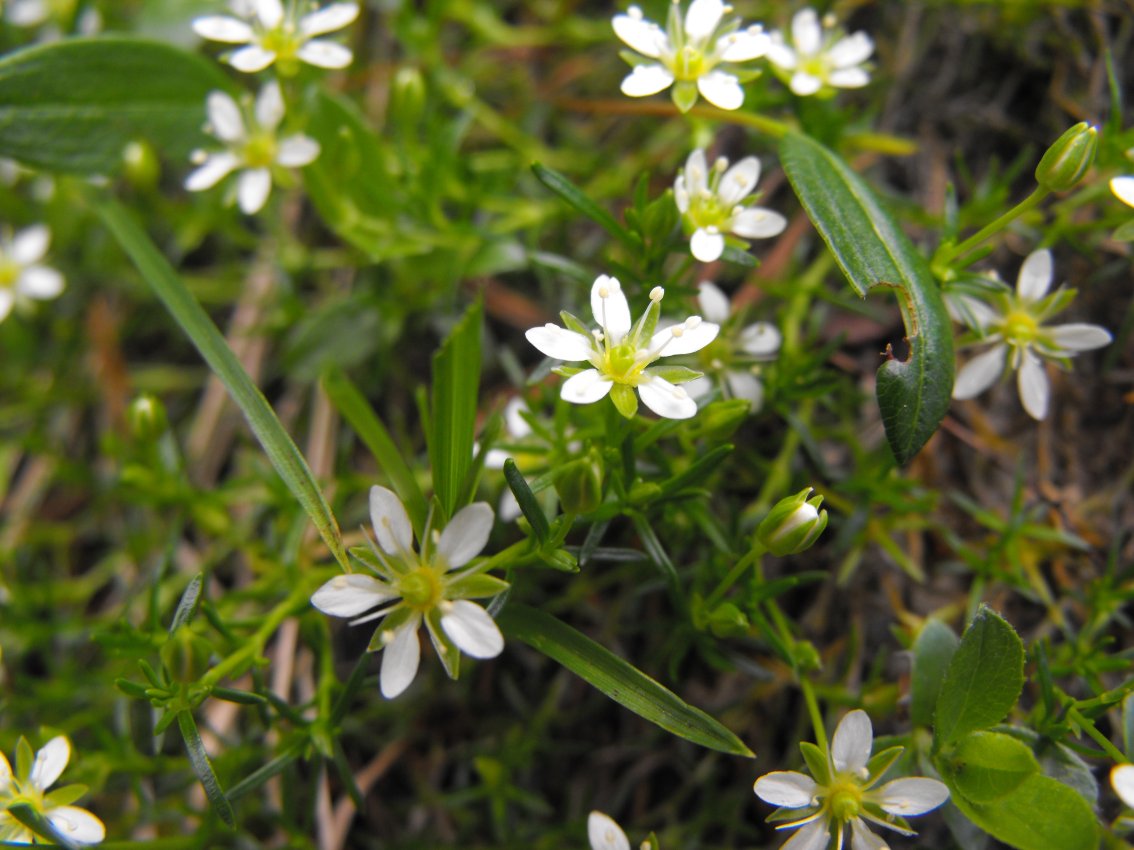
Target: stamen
[(198, 156), (373, 615), (691, 322), (676, 331), (657, 293)]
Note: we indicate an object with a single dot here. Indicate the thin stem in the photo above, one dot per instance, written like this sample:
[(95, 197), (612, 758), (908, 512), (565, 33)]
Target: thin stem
[(958, 252), (813, 711), (1098, 737), (738, 569)]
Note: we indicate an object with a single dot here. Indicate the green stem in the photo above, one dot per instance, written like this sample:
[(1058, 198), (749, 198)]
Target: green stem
[(738, 569), (956, 254), (1098, 737), (813, 711)]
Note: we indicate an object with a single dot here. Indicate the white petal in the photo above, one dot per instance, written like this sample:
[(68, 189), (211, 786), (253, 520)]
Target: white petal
[(780, 54), (743, 46), (610, 308), (585, 388), (5, 773), (707, 244), (472, 629), (325, 54), (970, 311), (227, 124), (508, 509), (28, 13), (252, 59), (333, 17), (252, 190), (806, 34), (848, 78), (466, 534), (697, 173), (400, 659), (679, 339), (745, 385), (77, 824), (212, 171), (680, 193), (786, 788), (721, 89), (270, 106), (645, 80), (49, 762), (714, 304), (297, 151), (812, 836), (1080, 337), (854, 736), (560, 343), (761, 339), (223, 28), (270, 12), (351, 594), (804, 84), (391, 522), (40, 282), (980, 373), (642, 36), (1031, 381), (739, 181), (7, 299), (703, 18), (1035, 275), (605, 834), (757, 223), (1122, 780), (699, 387), (1123, 188), (514, 421), (850, 50), (911, 796), (30, 244), (863, 839), (664, 399)]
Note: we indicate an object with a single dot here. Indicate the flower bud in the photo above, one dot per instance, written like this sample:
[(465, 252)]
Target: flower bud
[(1069, 157), (793, 525), (579, 485), (407, 97), (140, 164), (147, 418)]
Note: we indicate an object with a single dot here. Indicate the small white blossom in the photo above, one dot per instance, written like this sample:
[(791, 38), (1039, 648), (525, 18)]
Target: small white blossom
[(22, 278), (251, 147), (692, 54), (819, 57), (77, 824), (840, 803), (1123, 188), (414, 587), (711, 203), (1014, 324), (27, 13), (1122, 780), (621, 353), (605, 834), (270, 34)]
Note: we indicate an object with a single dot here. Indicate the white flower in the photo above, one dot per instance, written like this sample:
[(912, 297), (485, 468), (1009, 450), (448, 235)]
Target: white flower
[(517, 428), (1123, 188), (251, 147), (605, 834), (711, 204), (77, 824), (689, 54), (1014, 323), (414, 587), (22, 278), (620, 353), (847, 796), (1122, 780), (27, 13), (271, 34), (819, 56)]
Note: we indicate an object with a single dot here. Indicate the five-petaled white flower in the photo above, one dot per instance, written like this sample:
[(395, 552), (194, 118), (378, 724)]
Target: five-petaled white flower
[(77, 824), (711, 204), (271, 34), (251, 147), (414, 587), (621, 353), (22, 278), (1122, 780), (846, 795), (819, 56), (689, 54), (1014, 322)]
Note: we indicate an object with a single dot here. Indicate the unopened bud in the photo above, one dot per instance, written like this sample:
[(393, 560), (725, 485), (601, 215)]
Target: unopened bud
[(407, 98), (147, 418), (1069, 158), (793, 525)]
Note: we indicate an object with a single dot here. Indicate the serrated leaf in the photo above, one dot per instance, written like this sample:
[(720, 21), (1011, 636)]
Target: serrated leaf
[(983, 680), (1040, 814), (74, 105), (619, 680), (932, 652), (985, 766), (456, 382), (204, 768), (914, 394)]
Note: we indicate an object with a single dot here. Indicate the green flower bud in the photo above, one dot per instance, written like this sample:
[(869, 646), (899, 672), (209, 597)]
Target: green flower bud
[(579, 485), (140, 164), (793, 525), (147, 418), (1069, 158), (407, 101)]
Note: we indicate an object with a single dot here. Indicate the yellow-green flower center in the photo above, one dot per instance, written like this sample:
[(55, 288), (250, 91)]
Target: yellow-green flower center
[(845, 800), (260, 150), (621, 365), (9, 272), (421, 589), (690, 64), (1020, 327), (283, 42), (708, 211)]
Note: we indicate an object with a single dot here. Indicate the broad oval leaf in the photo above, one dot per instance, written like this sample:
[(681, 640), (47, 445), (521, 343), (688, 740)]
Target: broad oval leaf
[(913, 394), (1040, 814), (986, 766), (932, 652), (619, 680), (74, 105)]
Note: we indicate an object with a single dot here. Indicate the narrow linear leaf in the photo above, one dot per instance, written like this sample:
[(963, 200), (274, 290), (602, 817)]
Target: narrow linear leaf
[(932, 652), (273, 768), (1040, 814), (913, 394), (187, 607), (456, 381), (573, 195), (530, 508), (204, 768), (620, 681), (281, 451)]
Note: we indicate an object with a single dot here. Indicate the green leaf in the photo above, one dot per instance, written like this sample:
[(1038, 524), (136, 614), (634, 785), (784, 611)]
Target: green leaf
[(932, 652), (573, 195), (913, 395), (187, 607), (816, 762), (983, 680), (74, 105), (354, 408), (204, 768), (620, 681), (456, 380), (985, 766), (1040, 814), (624, 399), (281, 451), (526, 499)]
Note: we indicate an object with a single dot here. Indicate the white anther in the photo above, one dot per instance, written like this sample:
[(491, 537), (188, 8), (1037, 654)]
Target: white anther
[(657, 293), (339, 582), (198, 156), (716, 364), (388, 636), (721, 164), (679, 392), (829, 20), (691, 322), (446, 606), (635, 13), (598, 335), (677, 330), (604, 291)]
